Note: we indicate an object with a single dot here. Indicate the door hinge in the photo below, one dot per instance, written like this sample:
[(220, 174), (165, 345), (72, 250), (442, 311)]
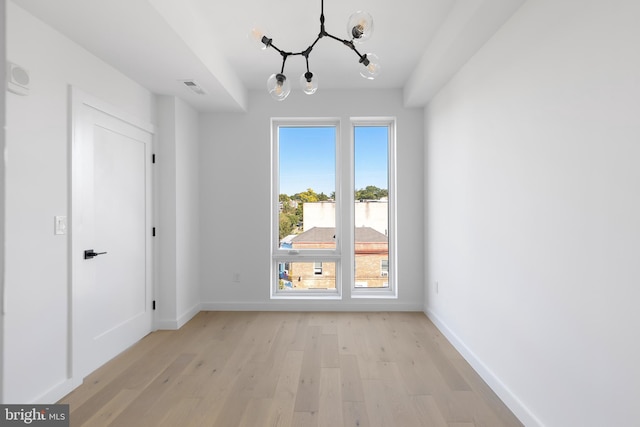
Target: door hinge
[(153, 158), (153, 232), (153, 306)]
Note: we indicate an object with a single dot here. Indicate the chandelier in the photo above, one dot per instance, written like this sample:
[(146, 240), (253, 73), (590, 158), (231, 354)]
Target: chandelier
[(359, 28)]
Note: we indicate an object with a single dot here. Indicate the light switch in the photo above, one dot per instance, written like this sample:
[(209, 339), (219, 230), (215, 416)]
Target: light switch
[(60, 225)]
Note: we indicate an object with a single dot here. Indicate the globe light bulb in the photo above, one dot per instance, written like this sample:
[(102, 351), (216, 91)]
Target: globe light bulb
[(360, 26), (278, 86), (371, 68), (258, 37), (308, 83)]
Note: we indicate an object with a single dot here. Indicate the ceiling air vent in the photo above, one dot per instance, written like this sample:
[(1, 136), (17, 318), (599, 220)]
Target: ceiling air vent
[(195, 87)]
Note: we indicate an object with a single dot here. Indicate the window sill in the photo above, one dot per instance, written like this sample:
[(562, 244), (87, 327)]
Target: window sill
[(306, 295)]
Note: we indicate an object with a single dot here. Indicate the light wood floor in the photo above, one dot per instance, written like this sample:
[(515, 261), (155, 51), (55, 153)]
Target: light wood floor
[(260, 369)]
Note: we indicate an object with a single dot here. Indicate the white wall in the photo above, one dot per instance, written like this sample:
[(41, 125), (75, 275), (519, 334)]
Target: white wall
[(36, 339), (235, 162), (188, 204), (165, 215), (533, 208), (178, 280), (3, 48)]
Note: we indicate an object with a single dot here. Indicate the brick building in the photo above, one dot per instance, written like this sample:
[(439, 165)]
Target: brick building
[(371, 259)]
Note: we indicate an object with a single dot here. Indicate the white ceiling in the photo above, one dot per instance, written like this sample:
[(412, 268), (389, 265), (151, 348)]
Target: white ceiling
[(158, 43)]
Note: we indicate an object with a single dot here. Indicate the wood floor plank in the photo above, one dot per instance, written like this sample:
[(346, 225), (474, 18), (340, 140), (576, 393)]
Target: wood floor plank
[(367, 360), (284, 369), (484, 392), (137, 376), (350, 377), (329, 351), (444, 365), (421, 376), (141, 408), (105, 415), (456, 406), (346, 336), (307, 395), (283, 403), (402, 409), (378, 408), (255, 411), (101, 378), (354, 414), (305, 419), (299, 338), (330, 398), (428, 411), (180, 413)]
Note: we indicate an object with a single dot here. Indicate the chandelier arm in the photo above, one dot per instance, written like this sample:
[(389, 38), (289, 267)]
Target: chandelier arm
[(343, 41), (284, 60), (353, 47), (349, 44), (314, 43), (280, 51)]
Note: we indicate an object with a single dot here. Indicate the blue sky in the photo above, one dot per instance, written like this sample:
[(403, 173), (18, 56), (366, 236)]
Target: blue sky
[(307, 158)]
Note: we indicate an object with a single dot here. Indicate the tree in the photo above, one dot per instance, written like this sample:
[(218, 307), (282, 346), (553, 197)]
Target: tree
[(371, 192), (286, 205), (287, 223), (308, 196)]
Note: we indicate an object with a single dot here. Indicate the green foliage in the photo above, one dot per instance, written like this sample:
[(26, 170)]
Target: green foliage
[(288, 223), (371, 192), (308, 196), (287, 205)]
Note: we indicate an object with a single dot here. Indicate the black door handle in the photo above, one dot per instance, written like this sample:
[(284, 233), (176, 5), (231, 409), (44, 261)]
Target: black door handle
[(89, 254)]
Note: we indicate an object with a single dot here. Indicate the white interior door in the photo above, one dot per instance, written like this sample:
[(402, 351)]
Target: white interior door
[(111, 207)]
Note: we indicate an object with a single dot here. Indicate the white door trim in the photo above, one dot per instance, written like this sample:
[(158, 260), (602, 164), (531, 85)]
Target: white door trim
[(80, 100)]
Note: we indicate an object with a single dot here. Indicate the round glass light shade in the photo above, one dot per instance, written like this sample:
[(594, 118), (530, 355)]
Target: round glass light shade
[(278, 86), (372, 69), (360, 26), (255, 36), (309, 85)]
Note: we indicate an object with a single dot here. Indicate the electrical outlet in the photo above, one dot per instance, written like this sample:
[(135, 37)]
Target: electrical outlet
[(236, 277)]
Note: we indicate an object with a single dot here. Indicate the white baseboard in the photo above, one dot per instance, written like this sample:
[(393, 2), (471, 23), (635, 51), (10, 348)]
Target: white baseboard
[(306, 305), (512, 401), (188, 315), (57, 392), (175, 324)]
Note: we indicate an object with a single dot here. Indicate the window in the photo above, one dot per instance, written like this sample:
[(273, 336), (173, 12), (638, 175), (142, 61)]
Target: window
[(373, 219), (319, 223)]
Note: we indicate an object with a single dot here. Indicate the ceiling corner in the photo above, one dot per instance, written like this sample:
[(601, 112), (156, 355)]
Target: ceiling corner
[(469, 25), (189, 25)]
